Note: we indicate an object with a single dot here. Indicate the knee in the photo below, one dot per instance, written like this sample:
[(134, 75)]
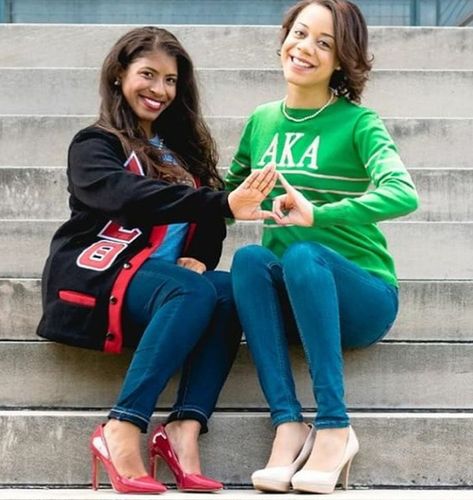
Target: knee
[(251, 256), (298, 256), (199, 290)]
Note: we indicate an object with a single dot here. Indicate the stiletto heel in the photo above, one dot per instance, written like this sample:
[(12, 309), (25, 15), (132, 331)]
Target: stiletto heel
[(94, 473), (121, 484), (345, 474), (160, 447), (278, 479), (314, 481)]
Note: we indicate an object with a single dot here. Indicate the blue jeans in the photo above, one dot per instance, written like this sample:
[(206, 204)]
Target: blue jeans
[(331, 303), (179, 319)]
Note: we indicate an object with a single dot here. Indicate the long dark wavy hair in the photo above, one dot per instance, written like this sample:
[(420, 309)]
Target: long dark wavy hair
[(351, 40), (181, 125)]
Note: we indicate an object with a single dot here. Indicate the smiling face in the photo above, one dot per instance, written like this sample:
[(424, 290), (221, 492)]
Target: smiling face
[(149, 86), (308, 54)]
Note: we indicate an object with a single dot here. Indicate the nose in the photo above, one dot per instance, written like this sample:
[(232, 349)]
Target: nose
[(306, 45), (157, 87)]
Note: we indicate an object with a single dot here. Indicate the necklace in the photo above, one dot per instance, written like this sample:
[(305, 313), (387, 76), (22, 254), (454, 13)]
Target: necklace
[(305, 118)]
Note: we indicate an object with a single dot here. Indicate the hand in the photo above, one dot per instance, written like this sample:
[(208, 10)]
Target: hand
[(192, 264), (245, 200), (292, 207)]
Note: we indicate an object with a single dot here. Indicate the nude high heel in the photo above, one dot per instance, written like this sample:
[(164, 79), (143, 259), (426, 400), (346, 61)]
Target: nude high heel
[(314, 481), (278, 479)]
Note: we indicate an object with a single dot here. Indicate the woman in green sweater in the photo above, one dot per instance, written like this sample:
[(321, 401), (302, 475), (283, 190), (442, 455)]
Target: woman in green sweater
[(323, 270)]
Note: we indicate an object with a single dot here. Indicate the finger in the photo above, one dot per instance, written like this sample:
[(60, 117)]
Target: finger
[(266, 214), (277, 206), (288, 187), (268, 184), (248, 182), (262, 177)]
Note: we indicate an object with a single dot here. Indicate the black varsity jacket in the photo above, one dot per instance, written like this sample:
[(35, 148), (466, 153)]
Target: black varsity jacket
[(118, 219)]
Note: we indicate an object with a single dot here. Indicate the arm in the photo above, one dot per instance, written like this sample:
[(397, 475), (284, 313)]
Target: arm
[(394, 194), (98, 180)]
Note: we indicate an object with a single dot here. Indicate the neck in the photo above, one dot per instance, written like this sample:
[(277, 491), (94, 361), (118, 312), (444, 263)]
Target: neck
[(306, 98)]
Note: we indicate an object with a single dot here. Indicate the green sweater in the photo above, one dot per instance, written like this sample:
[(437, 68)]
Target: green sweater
[(345, 163)]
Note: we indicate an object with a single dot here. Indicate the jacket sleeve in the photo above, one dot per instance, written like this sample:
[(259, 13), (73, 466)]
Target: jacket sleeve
[(98, 179), (393, 194)]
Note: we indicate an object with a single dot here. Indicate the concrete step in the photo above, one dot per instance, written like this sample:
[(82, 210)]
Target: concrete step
[(402, 449), (41, 193), (25, 140), (238, 46), (422, 250), (380, 377), (75, 91), (429, 310), (237, 494)]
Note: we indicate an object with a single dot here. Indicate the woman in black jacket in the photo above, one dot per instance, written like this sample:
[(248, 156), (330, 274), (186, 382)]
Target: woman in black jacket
[(134, 264)]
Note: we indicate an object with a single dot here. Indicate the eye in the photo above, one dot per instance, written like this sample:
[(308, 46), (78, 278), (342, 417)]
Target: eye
[(172, 80), (324, 44), (147, 74), (298, 33)]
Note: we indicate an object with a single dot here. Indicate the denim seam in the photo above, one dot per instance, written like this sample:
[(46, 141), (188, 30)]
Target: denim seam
[(271, 266), (129, 413), (183, 409)]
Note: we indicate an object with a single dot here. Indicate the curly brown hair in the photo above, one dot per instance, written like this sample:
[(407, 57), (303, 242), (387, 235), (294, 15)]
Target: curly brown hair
[(351, 40), (181, 125)]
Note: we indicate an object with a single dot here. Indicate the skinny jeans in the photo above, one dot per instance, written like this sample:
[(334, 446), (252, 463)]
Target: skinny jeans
[(179, 319), (326, 300)]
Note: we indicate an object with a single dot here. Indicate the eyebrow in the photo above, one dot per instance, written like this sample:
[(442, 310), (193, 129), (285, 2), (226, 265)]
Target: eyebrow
[(149, 68), (323, 34)]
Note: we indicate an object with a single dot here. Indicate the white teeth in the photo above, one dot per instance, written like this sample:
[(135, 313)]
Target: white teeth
[(300, 63)]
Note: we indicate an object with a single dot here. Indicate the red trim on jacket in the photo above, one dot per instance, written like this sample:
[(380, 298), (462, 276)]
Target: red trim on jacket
[(83, 299), (114, 337)]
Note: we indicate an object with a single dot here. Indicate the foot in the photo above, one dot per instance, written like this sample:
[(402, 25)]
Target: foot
[(183, 436), (328, 450), (287, 444), (123, 441)]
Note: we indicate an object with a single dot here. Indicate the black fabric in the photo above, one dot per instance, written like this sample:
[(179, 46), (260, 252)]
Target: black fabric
[(102, 190)]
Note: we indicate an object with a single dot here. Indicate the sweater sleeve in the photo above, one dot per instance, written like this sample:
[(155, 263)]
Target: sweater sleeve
[(394, 194), (240, 167), (98, 179)]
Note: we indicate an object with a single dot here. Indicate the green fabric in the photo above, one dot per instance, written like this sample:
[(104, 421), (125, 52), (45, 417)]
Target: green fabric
[(343, 161)]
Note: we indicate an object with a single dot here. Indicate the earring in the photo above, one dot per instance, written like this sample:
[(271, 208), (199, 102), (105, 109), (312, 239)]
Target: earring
[(278, 52), (116, 82)]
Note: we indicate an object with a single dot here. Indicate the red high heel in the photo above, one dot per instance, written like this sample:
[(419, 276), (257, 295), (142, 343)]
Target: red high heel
[(160, 447), (121, 484)]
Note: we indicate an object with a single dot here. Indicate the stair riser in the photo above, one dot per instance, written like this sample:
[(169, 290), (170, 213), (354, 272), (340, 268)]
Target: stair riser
[(238, 46), (429, 310), (41, 193), (422, 250), (402, 450), (75, 91), (43, 140), (53, 375)]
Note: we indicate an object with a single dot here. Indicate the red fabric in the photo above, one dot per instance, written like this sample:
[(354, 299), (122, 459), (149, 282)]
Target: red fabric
[(80, 298), (114, 339)]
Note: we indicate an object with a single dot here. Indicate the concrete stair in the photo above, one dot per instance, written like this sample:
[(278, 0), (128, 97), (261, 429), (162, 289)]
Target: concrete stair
[(410, 396)]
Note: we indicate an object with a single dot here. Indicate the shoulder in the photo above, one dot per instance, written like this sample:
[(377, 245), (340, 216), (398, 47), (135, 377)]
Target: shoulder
[(95, 132), (267, 110), (355, 112)]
